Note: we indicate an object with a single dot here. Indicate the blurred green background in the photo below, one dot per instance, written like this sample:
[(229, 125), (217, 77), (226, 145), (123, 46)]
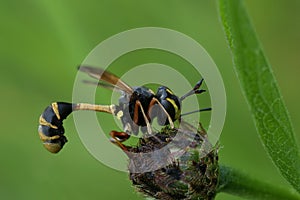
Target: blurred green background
[(43, 41)]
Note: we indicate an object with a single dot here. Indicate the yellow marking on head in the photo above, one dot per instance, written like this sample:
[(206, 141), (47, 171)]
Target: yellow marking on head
[(177, 114), (43, 122), (55, 109), (120, 114), (169, 91), (177, 111)]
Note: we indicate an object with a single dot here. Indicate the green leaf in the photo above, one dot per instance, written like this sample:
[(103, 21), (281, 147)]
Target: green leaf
[(261, 91), (240, 184)]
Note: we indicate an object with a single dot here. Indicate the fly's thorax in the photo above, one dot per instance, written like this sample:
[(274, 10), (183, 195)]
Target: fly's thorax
[(142, 96)]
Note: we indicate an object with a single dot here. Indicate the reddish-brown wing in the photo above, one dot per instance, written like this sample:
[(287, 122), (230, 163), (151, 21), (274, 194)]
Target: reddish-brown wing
[(106, 76)]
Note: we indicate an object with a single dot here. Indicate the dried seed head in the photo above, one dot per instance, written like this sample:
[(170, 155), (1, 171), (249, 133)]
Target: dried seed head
[(191, 175)]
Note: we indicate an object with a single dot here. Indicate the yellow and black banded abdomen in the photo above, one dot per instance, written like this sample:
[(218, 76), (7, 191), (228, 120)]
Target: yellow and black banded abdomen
[(51, 130)]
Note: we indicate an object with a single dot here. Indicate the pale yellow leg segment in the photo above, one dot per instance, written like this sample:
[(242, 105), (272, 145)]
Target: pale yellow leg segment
[(149, 129), (164, 110)]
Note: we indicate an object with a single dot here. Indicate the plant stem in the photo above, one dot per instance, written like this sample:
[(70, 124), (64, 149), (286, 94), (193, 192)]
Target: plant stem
[(237, 183)]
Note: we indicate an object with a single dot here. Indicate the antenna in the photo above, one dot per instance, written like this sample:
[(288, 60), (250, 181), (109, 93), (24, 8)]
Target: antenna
[(195, 111)]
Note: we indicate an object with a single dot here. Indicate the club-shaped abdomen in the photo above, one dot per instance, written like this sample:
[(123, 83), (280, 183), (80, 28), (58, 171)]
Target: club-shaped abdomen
[(51, 130)]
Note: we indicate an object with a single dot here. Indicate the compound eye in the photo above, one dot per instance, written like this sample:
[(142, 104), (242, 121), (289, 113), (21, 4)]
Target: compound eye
[(162, 92)]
